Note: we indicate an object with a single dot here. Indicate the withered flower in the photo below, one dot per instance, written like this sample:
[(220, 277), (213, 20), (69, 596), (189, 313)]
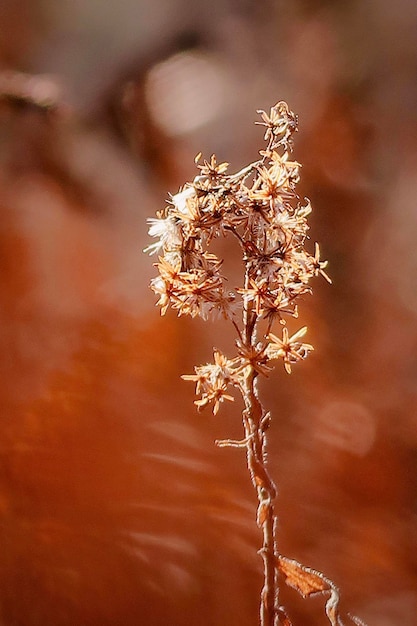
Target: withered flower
[(289, 349), (213, 379), (260, 208)]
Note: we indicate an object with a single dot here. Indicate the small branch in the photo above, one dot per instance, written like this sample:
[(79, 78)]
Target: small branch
[(245, 171), (237, 329), (233, 443)]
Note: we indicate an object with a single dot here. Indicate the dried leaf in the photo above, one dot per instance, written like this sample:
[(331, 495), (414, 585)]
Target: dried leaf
[(309, 582), (303, 579)]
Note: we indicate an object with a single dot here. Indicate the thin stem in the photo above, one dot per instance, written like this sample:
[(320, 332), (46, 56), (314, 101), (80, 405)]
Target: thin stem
[(249, 315), (255, 423), (237, 329)]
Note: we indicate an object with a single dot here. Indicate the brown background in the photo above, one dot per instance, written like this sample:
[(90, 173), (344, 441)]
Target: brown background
[(116, 507)]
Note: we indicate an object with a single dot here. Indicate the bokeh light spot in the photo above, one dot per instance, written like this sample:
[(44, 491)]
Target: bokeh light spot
[(185, 92)]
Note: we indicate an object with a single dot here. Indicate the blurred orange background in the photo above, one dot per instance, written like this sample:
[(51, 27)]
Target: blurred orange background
[(116, 507)]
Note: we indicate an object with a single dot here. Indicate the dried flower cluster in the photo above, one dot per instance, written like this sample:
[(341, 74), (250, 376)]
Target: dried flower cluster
[(261, 210)]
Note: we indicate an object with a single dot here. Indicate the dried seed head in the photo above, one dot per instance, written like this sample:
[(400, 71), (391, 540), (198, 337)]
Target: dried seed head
[(260, 208)]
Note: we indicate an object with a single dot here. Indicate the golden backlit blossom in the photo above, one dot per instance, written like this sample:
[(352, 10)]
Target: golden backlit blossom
[(180, 199), (259, 293), (169, 233), (213, 379), (169, 269), (318, 265), (163, 289), (196, 293), (284, 170), (282, 305), (255, 357), (280, 124), (211, 169), (288, 348), (276, 181), (186, 208)]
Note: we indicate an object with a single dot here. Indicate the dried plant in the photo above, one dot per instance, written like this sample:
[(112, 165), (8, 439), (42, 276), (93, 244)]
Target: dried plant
[(260, 208)]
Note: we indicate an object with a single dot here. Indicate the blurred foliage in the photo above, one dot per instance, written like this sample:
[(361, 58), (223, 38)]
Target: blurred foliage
[(116, 506)]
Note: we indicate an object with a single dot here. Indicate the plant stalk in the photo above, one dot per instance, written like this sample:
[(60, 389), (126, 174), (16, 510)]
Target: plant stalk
[(255, 422)]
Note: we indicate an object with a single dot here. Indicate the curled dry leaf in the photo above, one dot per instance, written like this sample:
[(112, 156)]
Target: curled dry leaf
[(303, 579), (309, 582)]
